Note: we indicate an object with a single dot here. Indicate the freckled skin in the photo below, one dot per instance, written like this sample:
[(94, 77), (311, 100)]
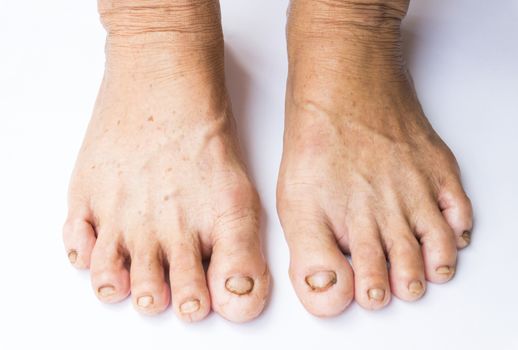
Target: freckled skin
[(159, 179), (362, 172)]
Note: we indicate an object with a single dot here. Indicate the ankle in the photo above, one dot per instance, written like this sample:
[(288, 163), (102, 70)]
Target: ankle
[(131, 17), (358, 40), (163, 40), (163, 57), (339, 16)]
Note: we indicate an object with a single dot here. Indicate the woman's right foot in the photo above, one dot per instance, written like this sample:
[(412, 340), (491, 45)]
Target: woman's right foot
[(362, 169), (159, 183)]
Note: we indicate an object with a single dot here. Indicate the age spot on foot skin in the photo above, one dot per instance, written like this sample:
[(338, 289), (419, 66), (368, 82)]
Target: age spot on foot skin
[(321, 281)]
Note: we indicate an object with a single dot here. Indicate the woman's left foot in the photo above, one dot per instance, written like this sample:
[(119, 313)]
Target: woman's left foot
[(363, 171)]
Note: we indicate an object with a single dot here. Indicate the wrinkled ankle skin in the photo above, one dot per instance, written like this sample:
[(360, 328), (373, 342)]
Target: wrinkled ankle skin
[(370, 32), (132, 17), (148, 38), (361, 13)]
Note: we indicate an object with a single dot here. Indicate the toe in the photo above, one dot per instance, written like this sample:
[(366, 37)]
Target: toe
[(372, 290), (109, 275), (238, 275), (149, 290), (319, 271), (79, 239), (190, 295), (407, 277), (457, 210), (438, 245)]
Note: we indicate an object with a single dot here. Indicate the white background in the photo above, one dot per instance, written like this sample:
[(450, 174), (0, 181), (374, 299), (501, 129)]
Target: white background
[(464, 58)]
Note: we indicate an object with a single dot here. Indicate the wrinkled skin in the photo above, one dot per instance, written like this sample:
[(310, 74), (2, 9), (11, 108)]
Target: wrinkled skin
[(159, 183), (363, 172)]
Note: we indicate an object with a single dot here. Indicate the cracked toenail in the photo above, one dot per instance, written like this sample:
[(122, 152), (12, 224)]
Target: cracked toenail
[(190, 306), (239, 285), (72, 256), (444, 270), (145, 301), (415, 287), (321, 281), (466, 236), (106, 290), (376, 294)]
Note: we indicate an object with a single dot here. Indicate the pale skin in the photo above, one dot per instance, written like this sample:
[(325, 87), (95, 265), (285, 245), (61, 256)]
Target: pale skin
[(160, 185)]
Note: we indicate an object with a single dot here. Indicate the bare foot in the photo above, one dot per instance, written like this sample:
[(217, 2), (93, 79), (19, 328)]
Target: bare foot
[(159, 183), (363, 172)]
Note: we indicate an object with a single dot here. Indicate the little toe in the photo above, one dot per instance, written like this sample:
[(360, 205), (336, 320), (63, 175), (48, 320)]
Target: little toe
[(109, 275), (439, 245), (79, 239), (457, 211), (190, 295), (238, 276), (407, 277), (319, 271), (372, 289), (149, 290)]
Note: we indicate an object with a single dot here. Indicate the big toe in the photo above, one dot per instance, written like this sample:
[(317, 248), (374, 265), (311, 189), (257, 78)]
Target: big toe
[(320, 273), (238, 276)]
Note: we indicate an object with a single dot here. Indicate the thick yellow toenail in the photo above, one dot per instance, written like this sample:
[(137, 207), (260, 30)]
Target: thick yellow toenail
[(466, 236), (376, 294), (444, 270), (239, 285), (190, 306), (415, 287), (106, 290), (72, 256), (321, 281), (145, 301)]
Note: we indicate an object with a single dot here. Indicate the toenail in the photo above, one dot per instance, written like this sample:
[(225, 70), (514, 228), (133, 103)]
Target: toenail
[(416, 287), (190, 306), (466, 236), (444, 270), (145, 301), (239, 285), (72, 256), (321, 281), (106, 290), (376, 294)]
